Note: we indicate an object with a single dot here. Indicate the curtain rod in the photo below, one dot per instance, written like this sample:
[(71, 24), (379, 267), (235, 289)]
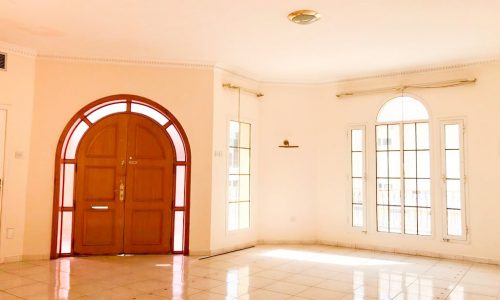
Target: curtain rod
[(401, 88), (236, 87)]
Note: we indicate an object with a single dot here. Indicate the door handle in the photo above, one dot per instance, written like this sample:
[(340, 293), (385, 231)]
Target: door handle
[(100, 207), (122, 191)]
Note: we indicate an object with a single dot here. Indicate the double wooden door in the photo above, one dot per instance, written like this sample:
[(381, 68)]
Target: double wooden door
[(124, 188)]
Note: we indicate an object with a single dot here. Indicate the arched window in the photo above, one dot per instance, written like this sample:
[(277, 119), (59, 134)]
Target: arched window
[(65, 168), (403, 167)]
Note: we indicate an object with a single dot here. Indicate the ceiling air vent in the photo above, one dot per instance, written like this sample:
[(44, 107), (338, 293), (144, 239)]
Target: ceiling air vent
[(3, 63)]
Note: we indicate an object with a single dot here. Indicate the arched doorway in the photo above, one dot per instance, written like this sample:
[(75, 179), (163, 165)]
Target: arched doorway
[(122, 180)]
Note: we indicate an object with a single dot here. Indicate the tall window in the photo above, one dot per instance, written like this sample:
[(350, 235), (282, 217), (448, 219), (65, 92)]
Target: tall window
[(403, 168), (453, 178), (239, 175), (357, 176)]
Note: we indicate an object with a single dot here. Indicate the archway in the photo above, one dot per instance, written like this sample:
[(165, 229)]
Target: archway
[(66, 167)]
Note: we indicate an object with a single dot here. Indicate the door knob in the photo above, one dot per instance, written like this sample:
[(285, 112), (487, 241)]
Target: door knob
[(122, 191)]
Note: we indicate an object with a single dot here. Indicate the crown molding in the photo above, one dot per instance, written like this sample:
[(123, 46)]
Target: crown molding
[(128, 61), (19, 50)]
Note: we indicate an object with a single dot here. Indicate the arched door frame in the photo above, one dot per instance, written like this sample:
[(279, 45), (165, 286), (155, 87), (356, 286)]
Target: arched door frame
[(65, 167)]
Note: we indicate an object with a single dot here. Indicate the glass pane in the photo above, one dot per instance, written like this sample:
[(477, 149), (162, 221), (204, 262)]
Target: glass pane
[(232, 218), (357, 215), (393, 140), (395, 219), (411, 192), (391, 111), (422, 136), (357, 164), (409, 137), (453, 195), (413, 109), (244, 216), (382, 191), (411, 220), (233, 134), (106, 111), (233, 188), (382, 164), (244, 161), (178, 143), (74, 141), (244, 188), (381, 137), (454, 222), (245, 135), (69, 179), (149, 112), (424, 164), (66, 232), (452, 136), (357, 190), (394, 164), (179, 231), (410, 164), (180, 177), (234, 160), (357, 140), (394, 192), (383, 218), (453, 164), (59, 232), (424, 192), (424, 221)]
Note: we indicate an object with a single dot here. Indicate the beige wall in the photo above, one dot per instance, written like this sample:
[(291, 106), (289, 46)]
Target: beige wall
[(16, 95), (63, 87)]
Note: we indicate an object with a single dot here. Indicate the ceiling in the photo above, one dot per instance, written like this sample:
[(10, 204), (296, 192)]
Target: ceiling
[(254, 37)]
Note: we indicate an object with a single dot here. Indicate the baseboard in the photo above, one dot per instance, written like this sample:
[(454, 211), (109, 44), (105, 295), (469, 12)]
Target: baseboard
[(11, 259), (232, 248), (33, 257), (287, 242)]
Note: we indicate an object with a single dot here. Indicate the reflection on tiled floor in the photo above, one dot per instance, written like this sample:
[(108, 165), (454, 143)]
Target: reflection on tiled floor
[(264, 272)]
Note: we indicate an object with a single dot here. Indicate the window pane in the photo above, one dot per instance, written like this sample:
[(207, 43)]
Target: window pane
[(74, 141), (244, 216), (233, 134), (424, 192), (395, 219), (233, 188), (382, 164), (179, 231), (394, 192), (180, 176), (393, 140), (245, 135), (452, 136), (424, 221), (391, 111), (244, 161), (357, 164), (453, 199), (409, 137), (357, 140), (410, 164), (411, 192), (394, 164), (244, 188), (422, 136), (453, 164), (149, 112), (357, 215), (382, 191), (454, 222), (178, 143), (413, 109), (411, 220), (357, 190), (106, 111), (69, 179), (66, 231), (381, 137), (424, 164), (232, 220), (233, 157), (383, 218)]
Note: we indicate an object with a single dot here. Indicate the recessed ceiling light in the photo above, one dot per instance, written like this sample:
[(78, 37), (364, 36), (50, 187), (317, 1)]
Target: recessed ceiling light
[(304, 16)]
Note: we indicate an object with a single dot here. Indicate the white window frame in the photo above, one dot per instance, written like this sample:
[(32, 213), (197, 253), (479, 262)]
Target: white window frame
[(350, 181), (463, 179)]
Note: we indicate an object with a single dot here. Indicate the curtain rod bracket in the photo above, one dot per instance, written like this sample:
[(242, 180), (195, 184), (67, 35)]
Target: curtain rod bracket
[(236, 87)]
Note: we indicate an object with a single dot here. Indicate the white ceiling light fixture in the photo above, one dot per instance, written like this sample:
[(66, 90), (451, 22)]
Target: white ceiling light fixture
[(304, 16)]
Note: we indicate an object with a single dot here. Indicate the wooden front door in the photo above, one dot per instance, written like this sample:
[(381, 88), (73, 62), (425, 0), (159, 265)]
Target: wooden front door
[(124, 188)]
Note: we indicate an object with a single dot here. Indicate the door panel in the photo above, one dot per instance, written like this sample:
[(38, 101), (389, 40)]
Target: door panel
[(148, 203)]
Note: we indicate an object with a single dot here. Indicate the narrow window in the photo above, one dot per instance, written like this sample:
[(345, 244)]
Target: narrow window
[(357, 176), (403, 168), (453, 179), (239, 175)]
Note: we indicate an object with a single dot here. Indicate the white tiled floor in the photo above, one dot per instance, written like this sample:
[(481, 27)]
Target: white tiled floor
[(264, 272)]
